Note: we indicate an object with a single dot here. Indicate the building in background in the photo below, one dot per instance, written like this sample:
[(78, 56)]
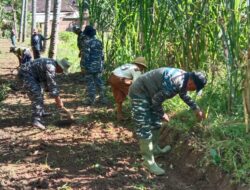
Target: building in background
[(69, 15)]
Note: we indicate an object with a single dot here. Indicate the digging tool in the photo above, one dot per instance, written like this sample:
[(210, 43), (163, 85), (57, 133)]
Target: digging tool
[(66, 118), (65, 113)]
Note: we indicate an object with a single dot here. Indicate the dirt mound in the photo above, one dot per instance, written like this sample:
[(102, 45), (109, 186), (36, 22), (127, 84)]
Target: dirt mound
[(187, 160)]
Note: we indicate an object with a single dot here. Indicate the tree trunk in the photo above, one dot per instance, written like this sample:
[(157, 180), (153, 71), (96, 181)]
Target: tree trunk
[(14, 16), (246, 93), (25, 21), (33, 16), (46, 22), (20, 34), (55, 28), (246, 84)]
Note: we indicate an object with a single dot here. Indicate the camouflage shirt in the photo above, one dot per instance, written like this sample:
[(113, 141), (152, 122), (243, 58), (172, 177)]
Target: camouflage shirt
[(41, 70), (80, 41), (161, 84), (37, 41), (93, 58)]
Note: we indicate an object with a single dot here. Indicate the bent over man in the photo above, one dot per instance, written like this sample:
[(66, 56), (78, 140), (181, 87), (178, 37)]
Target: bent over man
[(23, 54), (121, 78), (147, 94), (39, 71)]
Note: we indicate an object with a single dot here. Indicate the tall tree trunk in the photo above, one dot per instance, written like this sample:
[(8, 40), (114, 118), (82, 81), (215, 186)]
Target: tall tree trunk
[(25, 20), (14, 16), (55, 29), (246, 84), (46, 22), (33, 16), (20, 34), (246, 93)]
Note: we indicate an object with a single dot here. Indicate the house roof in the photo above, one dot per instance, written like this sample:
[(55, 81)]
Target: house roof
[(66, 6), (8, 8)]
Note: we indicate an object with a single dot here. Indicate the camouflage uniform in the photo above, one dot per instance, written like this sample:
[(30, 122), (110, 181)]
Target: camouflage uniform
[(37, 44), (92, 63), (23, 54), (148, 93), (34, 73), (80, 41)]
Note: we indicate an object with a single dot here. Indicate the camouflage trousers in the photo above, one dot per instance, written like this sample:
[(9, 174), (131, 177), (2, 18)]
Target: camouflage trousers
[(36, 53), (35, 94), (145, 118), (94, 83)]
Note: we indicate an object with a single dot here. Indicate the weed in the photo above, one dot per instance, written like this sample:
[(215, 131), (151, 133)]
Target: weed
[(4, 89)]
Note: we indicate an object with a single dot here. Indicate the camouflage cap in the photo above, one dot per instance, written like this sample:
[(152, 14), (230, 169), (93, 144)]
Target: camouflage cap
[(89, 31), (199, 79)]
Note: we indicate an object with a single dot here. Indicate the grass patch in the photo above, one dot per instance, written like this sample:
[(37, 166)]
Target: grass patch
[(68, 48)]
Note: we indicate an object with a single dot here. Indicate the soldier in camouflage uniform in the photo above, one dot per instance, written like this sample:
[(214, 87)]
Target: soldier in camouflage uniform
[(37, 43), (92, 63), (39, 71), (147, 94), (23, 54)]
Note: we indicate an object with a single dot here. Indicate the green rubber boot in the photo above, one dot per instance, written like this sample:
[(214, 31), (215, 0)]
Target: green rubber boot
[(157, 149), (146, 148)]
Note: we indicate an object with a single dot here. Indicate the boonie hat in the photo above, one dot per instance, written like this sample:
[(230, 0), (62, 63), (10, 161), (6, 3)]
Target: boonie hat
[(140, 61), (64, 64)]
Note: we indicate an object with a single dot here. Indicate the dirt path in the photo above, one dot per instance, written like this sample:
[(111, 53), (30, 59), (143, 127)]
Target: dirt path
[(95, 152)]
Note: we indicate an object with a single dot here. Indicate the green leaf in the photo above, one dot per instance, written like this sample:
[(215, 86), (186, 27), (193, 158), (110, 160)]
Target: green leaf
[(215, 156)]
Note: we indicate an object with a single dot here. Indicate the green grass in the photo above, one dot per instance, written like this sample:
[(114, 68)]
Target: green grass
[(68, 48), (226, 142)]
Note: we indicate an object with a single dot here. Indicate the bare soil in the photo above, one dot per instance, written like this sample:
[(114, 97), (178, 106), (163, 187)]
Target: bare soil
[(94, 152)]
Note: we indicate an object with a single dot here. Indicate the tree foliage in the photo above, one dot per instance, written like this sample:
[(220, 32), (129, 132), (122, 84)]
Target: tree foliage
[(6, 14)]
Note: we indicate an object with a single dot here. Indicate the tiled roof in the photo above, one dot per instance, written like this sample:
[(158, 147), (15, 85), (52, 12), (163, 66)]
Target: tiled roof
[(67, 6)]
